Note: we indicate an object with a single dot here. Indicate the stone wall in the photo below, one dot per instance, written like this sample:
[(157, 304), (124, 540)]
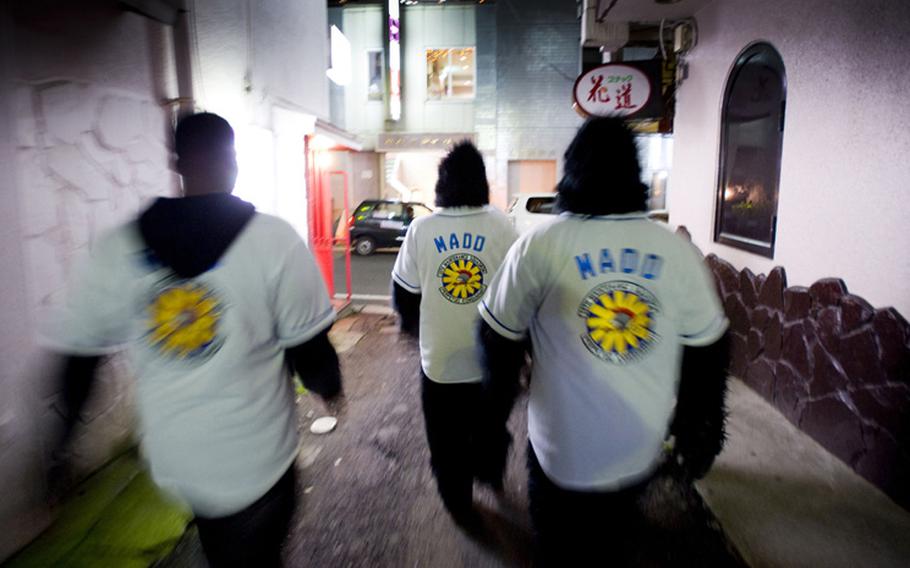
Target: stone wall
[(835, 366)]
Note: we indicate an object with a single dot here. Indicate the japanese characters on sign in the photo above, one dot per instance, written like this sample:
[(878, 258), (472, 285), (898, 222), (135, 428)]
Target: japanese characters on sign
[(612, 89)]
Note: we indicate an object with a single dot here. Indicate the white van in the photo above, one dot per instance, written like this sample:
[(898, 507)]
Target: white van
[(532, 209), (528, 210)]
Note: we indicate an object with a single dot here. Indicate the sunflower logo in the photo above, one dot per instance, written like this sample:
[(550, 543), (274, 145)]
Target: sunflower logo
[(619, 321), (462, 278), (183, 320)]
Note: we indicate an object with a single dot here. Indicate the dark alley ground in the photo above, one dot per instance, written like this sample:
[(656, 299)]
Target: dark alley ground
[(367, 497)]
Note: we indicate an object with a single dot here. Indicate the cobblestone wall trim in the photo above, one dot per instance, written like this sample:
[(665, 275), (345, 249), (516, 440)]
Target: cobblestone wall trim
[(836, 367)]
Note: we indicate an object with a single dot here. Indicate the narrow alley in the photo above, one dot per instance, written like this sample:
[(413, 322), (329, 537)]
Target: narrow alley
[(367, 497)]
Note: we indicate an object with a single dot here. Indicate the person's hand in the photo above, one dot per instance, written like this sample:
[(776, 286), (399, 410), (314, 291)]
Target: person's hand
[(336, 406)]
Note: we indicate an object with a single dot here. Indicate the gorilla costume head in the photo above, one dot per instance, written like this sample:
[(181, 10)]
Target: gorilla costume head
[(602, 175), (462, 178)]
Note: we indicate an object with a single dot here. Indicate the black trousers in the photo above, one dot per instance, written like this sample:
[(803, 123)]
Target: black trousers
[(581, 528), (448, 410), (253, 536)]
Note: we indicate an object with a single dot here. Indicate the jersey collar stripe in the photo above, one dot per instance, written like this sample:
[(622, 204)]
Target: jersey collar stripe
[(405, 284), (497, 325)]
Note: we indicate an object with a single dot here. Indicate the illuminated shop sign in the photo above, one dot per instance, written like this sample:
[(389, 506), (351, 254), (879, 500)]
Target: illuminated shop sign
[(612, 89), (394, 61)]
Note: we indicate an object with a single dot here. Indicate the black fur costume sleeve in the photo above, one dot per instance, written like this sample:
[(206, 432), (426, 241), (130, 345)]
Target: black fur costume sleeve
[(316, 363), (407, 304), (502, 361), (698, 425), (78, 377)]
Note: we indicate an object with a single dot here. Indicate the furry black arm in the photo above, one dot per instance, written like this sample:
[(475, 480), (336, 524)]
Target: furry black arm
[(316, 363), (698, 425), (78, 376), (407, 304), (502, 361)]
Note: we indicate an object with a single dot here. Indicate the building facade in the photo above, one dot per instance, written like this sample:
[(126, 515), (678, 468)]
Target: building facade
[(88, 99), (497, 73), (832, 353)]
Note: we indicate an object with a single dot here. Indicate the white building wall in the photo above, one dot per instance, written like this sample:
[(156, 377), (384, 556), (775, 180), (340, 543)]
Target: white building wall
[(363, 26), (843, 205), (83, 147), (422, 28), (262, 66), (428, 27)]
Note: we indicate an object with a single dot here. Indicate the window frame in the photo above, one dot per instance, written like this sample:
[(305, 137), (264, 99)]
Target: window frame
[(450, 98), (368, 51), (721, 236)]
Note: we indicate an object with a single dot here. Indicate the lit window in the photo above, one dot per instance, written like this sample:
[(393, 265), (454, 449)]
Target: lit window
[(450, 73), (375, 85), (752, 129)]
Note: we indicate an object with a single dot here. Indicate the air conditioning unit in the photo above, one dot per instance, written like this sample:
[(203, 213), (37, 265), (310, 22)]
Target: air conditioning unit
[(611, 36)]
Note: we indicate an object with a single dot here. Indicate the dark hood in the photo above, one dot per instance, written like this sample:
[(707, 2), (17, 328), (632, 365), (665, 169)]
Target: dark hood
[(190, 234)]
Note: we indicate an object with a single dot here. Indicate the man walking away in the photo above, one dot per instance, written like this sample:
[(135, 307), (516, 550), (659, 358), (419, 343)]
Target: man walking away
[(217, 305), (442, 271), (611, 301)]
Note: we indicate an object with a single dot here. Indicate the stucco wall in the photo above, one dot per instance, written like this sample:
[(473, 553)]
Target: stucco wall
[(843, 206), (84, 149), (363, 26), (252, 55)]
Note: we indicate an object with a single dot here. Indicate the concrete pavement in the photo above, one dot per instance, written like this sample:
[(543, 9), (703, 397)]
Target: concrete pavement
[(785, 501), (367, 498)]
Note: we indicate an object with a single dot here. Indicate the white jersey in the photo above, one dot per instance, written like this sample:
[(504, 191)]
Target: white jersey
[(609, 302), (215, 399), (449, 257)]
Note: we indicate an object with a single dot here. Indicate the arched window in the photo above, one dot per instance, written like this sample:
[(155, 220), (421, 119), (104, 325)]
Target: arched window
[(752, 129)]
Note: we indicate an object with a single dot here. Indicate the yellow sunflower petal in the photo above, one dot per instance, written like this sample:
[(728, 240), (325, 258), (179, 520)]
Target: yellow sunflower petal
[(602, 312), (207, 305), (619, 298), (639, 308), (630, 338), (638, 330), (607, 342), (607, 301), (598, 322), (620, 343), (598, 334)]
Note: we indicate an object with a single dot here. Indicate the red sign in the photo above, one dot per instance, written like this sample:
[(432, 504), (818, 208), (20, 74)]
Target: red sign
[(612, 90)]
